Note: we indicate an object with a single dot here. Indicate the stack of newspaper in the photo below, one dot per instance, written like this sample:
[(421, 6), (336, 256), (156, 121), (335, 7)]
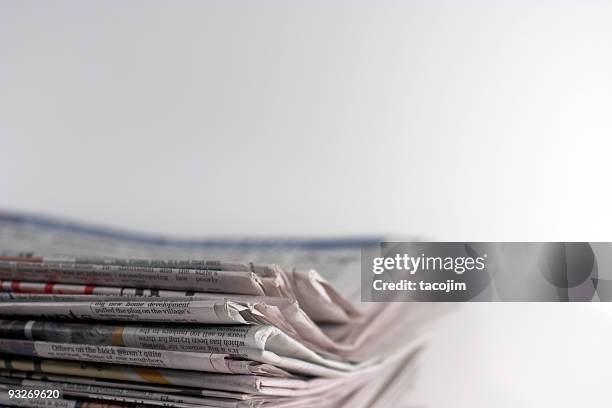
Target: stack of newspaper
[(155, 322)]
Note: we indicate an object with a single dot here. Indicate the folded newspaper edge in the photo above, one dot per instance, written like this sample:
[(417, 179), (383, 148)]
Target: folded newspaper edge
[(264, 344), (317, 297), (286, 315)]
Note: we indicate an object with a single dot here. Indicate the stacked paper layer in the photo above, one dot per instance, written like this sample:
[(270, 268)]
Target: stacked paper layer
[(132, 326)]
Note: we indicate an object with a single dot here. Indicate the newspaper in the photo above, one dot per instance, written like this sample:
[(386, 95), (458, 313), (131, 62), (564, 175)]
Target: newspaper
[(265, 344), (359, 392), (185, 311), (134, 320), (239, 282), (252, 384), (149, 387), (210, 362), (288, 316), (15, 286), (316, 295), (119, 393), (7, 400)]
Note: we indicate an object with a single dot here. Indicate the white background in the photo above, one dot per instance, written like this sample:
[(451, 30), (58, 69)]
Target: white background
[(472, 121)]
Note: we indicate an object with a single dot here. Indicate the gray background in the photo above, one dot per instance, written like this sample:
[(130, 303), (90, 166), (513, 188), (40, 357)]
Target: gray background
[(471, 121)]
